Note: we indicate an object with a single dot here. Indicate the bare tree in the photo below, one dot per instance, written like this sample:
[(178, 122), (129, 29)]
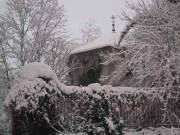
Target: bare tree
[(47, 24), (57, 55), (151, 48), (30, 25), (5, 63), (4, 56), (90, 31)]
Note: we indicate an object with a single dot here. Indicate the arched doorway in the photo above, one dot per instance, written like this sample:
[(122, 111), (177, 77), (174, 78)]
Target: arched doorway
[(91, 76)]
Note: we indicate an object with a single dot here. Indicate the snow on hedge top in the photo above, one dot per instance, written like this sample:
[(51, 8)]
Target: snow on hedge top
[(36, 70), (31, 71), (109, 40), (95, 89), (30, 85)]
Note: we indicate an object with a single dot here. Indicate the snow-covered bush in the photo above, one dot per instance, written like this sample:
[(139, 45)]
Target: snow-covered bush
[(41, 105), (130, 104), (92, 110), (138, 107), (100, 119), (33, 101)]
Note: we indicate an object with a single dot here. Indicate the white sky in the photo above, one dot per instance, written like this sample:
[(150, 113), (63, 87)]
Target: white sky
[(80, 11)]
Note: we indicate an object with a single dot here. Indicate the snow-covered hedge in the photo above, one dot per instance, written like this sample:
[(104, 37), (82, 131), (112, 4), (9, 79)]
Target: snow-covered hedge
[(33, 82), (38, 97), (135, 106), (33, 101), (138, 107)]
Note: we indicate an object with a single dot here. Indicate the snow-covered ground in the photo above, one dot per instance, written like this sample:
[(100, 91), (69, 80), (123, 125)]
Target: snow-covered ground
[(154, 131), (148, 131)]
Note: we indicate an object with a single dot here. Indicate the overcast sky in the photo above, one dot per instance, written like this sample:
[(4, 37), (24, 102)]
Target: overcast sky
[(80, 11)]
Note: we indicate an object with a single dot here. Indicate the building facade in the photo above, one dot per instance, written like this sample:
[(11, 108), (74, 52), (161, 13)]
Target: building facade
[(86, 62)]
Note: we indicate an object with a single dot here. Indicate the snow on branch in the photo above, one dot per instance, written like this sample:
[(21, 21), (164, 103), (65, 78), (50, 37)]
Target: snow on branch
[(125, 31)]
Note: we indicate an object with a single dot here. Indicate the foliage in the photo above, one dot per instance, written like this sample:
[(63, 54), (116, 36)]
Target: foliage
[(151, 51), (151, 48), (34, 107), (100, 119), (137, 107)]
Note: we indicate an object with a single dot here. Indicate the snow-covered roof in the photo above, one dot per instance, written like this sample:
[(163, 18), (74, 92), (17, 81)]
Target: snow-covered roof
[(109, 40)]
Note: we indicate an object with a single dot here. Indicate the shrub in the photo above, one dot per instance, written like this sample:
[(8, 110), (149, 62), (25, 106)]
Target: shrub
[(100, 119), (34, 107)]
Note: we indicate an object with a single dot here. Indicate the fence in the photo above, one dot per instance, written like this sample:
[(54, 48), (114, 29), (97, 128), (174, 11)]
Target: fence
[(136, 111)]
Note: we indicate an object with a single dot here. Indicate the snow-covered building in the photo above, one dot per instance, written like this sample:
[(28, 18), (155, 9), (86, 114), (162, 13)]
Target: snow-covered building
[(89, 61)]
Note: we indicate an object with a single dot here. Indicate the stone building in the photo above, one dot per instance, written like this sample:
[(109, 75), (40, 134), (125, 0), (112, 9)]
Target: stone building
[(89, 62)]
